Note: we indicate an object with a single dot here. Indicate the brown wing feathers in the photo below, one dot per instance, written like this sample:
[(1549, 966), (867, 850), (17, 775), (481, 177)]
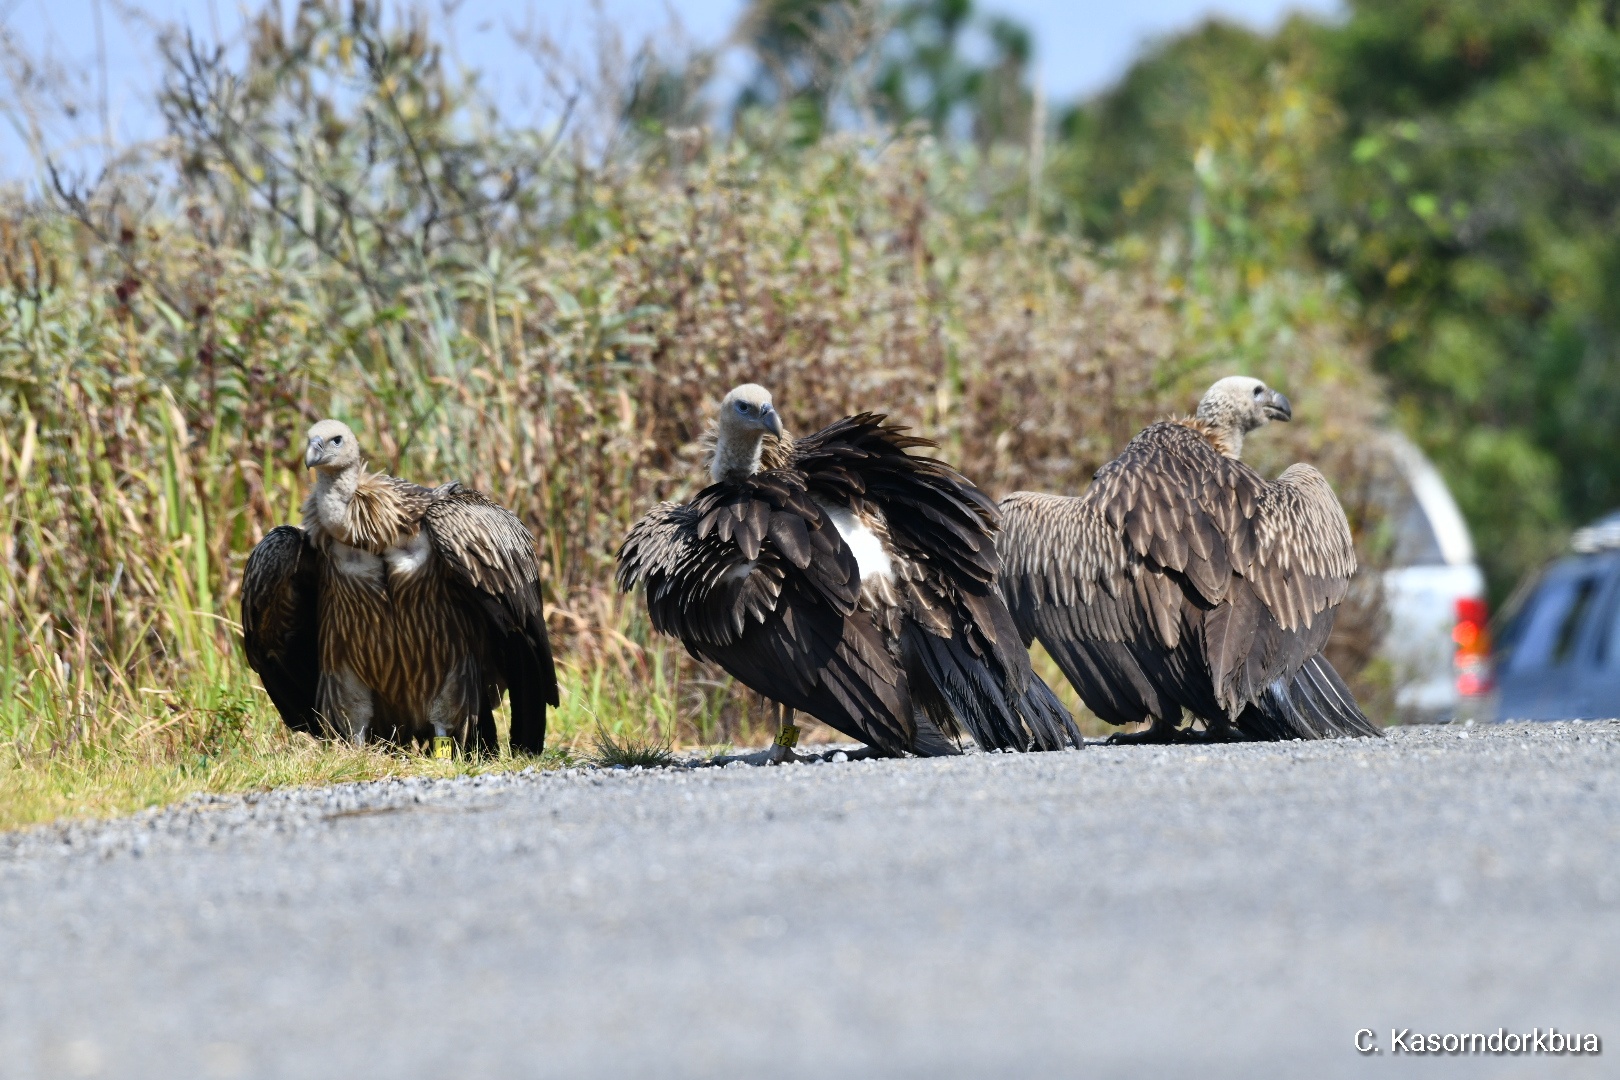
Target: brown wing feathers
[(708, 566), (752, 576), (1181, 578), (490, 553), (928, 506)]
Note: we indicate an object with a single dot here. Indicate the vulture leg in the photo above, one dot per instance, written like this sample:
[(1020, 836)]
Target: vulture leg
[(787, 737), (781, 748), (346, 704), (444, 742), (1159, 731), (454, 711)]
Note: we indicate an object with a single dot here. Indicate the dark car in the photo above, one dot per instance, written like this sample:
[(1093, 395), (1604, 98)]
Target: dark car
[(1558, 654)]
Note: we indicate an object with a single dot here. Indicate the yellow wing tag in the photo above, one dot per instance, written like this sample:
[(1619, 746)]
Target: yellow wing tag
[(788, 736), (444, 747)]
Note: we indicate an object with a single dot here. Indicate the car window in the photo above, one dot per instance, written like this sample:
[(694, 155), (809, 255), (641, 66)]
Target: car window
[(1552, 621), (1607, 647), (1569, 628), (1415, 542)]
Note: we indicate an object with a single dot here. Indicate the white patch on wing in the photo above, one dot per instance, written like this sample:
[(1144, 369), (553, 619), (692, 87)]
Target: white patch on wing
[(352, 562), (407, 558), (862, 542)]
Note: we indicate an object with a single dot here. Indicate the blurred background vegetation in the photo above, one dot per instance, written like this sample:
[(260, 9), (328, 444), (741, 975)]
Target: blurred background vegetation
[(1460, 174), (1400, 218)]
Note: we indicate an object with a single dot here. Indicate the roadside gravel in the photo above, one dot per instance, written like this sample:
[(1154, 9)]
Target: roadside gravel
[(1221, 911)]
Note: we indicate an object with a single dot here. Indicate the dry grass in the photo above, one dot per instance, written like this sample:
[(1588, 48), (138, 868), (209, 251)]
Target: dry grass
[(109, 782), (164, 343)]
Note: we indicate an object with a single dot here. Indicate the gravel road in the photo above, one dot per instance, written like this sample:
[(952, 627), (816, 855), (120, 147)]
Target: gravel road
[(1221, 911)]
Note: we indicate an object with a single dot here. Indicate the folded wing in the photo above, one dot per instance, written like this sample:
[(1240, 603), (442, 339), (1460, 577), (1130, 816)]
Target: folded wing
[(754, 576), (280, 623), (1182, 578), (490, 555)]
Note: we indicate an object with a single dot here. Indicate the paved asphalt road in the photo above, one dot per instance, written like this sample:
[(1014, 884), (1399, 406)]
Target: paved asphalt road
[(1235, 911)]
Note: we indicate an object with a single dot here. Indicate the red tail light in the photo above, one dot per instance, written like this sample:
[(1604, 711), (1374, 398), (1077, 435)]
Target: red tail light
[(1473, 656)]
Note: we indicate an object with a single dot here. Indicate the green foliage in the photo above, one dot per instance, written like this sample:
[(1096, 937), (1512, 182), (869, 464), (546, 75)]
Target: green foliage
[(1393, 58), (926, 73), (925, 76), (806, 53), (1125, 163), (831, 64), (1479, 224), (1458, 163)]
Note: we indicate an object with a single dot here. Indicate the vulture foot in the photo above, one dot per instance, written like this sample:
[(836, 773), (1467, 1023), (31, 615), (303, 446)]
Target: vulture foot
[(1217, 733), (771, 755), (779, 752), (1157, 733)]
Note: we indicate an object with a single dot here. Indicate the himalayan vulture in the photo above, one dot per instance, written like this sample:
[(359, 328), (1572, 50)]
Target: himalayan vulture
[(1182, 579), (397, 612), (841, 576)]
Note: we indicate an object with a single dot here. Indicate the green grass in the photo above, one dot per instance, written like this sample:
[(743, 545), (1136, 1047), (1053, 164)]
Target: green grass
[(631, 752), (37, 788), (119, 754)]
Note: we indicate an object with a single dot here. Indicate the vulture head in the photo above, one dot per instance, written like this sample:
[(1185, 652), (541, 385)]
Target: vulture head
[(1237, 404), (332, 447), (746, 416)]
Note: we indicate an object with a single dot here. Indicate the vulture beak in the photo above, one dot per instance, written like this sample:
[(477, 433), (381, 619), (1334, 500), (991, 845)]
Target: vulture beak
[(314, 455), (771, 419), (1279, 408)]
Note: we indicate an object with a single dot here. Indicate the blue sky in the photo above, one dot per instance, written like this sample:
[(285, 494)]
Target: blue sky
[(1082, 45)]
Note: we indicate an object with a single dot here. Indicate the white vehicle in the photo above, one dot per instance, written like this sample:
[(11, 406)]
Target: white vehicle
[(1434, 594)]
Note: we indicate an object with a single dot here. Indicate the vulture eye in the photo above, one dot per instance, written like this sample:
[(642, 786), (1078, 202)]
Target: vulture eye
[(337, 440), (1259, 391), (744, 408)]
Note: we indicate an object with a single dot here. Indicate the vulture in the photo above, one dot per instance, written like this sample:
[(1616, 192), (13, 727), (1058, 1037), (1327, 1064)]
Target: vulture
[(841, 576), (1182, 579), (396, 612)]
